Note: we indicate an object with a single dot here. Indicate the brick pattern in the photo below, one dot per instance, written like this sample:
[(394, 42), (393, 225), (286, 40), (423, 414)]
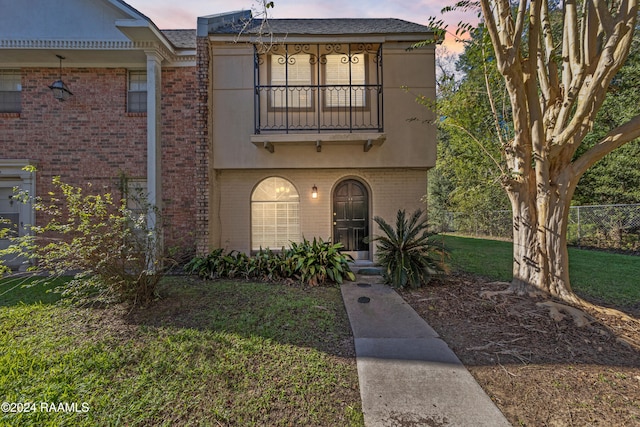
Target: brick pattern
[(91, 139), (389, 190), (202, 145), (178, 121)]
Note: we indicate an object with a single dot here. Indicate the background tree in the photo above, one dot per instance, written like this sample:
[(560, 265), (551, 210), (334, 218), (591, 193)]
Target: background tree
[(466, 179), (556, 77)]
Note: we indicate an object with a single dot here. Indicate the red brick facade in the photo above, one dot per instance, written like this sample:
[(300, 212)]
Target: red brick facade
[(202, 148), (92, 139)]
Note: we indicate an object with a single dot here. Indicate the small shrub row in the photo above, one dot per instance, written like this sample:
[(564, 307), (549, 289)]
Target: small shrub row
[(311, 262)]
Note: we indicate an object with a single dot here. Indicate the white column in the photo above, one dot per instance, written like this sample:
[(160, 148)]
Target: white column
[(154, 143), (154, 174)]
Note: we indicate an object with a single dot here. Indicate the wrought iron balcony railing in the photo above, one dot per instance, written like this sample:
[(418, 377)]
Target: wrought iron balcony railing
[(319, 108), (293, 94)]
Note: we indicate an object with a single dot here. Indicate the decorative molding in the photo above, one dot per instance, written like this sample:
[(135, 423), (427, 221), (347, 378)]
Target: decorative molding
[(166, 54), (75, 44), (318, 52)]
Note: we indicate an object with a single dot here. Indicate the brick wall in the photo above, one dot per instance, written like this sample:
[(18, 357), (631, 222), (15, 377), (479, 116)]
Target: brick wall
[(202, 145), (92, 139), (179, 136)]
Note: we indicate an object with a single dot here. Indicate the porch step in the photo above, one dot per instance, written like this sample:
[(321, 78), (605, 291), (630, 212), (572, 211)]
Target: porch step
[(365, 268)]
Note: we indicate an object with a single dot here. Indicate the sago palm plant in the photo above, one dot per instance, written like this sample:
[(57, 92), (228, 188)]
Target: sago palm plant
[(406, 252)]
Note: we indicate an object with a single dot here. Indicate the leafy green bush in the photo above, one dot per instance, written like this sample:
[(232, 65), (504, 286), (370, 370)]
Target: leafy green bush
[(208, 266), (317, 261), (313, 263), (407, 253), (115, 255)]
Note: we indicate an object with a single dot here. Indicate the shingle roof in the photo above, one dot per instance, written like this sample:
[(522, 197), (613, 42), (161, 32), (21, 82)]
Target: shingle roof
[(182, 39), (335, 26)]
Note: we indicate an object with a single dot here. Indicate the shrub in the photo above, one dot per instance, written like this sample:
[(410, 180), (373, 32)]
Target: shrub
[(114, 254), (313, 263), (406, 252), (208, 266)]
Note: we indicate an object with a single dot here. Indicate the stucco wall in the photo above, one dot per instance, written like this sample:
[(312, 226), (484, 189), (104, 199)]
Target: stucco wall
[(390, 190), (409, 143)]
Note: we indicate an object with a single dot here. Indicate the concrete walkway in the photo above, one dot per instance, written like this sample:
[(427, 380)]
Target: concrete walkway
[(408, 376)]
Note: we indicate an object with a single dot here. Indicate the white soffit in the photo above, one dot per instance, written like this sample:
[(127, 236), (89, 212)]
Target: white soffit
[(86, 32)]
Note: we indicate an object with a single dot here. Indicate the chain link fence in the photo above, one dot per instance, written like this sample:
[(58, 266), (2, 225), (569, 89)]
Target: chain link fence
[(614, 227)]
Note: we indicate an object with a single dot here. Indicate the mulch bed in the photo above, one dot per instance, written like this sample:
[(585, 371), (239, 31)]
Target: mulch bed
[(539, 371)]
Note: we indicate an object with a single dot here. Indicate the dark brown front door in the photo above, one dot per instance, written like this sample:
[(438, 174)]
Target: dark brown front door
[(351, 215)]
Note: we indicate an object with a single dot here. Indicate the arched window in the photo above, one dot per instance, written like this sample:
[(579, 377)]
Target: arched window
[(275, 218)]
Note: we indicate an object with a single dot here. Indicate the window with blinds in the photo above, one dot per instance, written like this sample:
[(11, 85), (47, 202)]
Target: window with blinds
[(275, 216), (10, 91), (137, 92), (345, 79), (291, 78), (330, 87)]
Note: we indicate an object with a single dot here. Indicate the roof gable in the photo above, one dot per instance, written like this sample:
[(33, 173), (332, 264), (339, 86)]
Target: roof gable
[(63, 20), (86, 32)]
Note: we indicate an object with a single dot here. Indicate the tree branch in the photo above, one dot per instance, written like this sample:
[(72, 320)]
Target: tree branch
[(571, 48), (449, 122), (547, 49), (494, 112), (604, 16), (609, 60), (500, 27), (612, 140), (522, 12), (591, 97)]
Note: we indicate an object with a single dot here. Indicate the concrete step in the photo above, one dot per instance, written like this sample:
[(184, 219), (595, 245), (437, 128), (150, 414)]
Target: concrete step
[(365, 268)]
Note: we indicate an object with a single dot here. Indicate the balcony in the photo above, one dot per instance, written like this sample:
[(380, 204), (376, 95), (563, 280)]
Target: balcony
[(312, 89)]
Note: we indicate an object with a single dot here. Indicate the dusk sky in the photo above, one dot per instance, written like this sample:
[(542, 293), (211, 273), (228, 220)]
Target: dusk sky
[(172, 14)]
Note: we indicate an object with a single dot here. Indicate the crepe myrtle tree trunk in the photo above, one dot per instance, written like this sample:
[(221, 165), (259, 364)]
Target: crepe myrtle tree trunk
[(556, 83), (540, 257)]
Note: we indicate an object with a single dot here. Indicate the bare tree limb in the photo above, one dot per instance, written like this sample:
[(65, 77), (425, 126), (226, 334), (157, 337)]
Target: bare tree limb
[(612, 140), (451, 123), (522, 13), (591, 96), (492, 28), (604, 16), (494, 112)]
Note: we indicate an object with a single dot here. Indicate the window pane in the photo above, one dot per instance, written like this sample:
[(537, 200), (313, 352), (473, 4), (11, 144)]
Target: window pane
[(137, 102), (275, 189), (274, 214), (10, 91), (348, 77), (137, 92), (137, 80), (296, 71)]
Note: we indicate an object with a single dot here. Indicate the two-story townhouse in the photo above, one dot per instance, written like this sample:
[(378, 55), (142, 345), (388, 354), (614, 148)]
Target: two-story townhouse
[(310, 128), (247, 138), (92, 91)]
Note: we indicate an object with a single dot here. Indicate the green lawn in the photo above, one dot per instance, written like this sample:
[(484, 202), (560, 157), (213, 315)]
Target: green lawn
[(606, 276), (223, 353), (28, 290)]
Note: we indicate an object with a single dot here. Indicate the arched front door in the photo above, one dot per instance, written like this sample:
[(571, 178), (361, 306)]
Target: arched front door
[(351, 217)]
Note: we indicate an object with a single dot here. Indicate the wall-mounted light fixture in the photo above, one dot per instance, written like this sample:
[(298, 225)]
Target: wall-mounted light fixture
[(314, 192), (60, 91)]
